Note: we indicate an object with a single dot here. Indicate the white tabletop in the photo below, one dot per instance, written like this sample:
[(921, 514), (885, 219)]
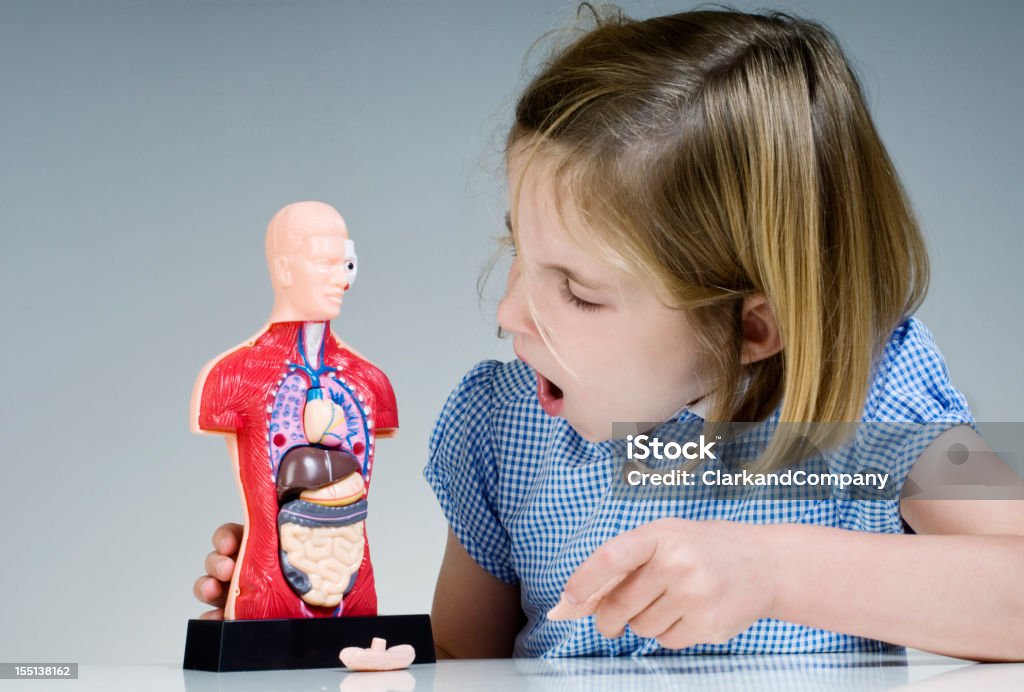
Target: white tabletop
[(917, 670)]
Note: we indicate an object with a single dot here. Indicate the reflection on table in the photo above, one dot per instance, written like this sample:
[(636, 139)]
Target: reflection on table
[(914, 670)]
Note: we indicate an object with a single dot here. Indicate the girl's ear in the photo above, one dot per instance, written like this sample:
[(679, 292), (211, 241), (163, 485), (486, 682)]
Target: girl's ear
[(760, 331)]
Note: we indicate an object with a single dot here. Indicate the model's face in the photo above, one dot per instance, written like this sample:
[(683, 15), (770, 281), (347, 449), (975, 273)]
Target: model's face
[(626, 357), (319, 275)]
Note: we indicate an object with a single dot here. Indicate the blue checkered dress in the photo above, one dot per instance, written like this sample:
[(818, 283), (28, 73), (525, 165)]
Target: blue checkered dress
[(530, 499)]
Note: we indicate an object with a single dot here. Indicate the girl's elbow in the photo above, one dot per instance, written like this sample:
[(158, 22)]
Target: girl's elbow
[(1008, 648)]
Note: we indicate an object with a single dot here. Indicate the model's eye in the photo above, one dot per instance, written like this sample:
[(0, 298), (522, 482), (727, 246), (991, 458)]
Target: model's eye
[(576, 300), (350, 266)]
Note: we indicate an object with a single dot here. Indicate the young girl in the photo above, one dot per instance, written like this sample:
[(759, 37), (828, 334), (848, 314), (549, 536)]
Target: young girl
[(707, 228)]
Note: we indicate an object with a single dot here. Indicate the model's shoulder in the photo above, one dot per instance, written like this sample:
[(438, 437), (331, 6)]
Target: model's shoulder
[(350, 361), (219, 391), (238, 355), (227, 364)]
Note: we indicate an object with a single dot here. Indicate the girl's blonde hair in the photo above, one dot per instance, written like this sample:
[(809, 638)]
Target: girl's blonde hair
[(726, 154)]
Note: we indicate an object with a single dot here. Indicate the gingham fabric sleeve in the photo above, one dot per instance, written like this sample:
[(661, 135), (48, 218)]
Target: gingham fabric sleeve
[(463, 472), (914, 386), (913, 381), (911, 402)]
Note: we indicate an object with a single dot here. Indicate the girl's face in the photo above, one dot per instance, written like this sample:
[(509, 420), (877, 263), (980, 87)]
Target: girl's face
[(623, 356)]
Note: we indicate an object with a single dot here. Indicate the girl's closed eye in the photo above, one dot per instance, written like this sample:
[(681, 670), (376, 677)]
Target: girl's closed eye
[(576, 300), (509, 241)]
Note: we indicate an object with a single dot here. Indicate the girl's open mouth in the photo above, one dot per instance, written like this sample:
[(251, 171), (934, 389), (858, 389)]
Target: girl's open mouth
[(550, 395)]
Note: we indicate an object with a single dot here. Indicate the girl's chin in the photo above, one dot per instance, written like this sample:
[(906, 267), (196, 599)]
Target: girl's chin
[(588, 434)]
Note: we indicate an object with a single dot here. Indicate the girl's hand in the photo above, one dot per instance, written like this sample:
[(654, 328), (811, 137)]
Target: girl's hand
[(212, 588), (679, 581)]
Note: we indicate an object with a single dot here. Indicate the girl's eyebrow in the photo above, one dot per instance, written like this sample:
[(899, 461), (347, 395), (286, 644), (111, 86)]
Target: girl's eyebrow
[(573, 277), (561, 268)]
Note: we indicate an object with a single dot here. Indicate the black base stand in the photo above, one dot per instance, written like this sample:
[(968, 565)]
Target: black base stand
[(233, 645)]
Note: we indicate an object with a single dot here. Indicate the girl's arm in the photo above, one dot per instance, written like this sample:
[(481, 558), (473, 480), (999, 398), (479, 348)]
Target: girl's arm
[(475, 614), (958, 596), (957, 591)]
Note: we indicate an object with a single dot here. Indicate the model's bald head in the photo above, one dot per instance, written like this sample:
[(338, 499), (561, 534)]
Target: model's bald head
[(311, 262), (293, 224)]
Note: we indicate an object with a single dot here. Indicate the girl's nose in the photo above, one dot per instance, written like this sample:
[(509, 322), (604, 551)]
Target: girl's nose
[(513, 311)]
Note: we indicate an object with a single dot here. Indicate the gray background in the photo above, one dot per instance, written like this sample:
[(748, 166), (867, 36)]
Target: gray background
[(145, 145)]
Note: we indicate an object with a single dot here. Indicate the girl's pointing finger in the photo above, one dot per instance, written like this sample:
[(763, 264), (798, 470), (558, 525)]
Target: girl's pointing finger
[(612, 561)]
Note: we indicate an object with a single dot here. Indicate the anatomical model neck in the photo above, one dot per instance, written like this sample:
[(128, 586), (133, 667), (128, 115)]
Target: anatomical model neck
[(313, 337)]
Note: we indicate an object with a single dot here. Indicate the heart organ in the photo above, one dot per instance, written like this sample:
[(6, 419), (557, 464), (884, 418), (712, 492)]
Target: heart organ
[(287, 427), (323, 421)]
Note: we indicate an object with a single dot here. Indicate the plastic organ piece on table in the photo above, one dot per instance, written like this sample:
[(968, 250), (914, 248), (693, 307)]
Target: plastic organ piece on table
[(378, 656), (301, 411)]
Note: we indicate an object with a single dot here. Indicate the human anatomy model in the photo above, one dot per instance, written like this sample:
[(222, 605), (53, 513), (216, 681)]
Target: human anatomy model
[(301, 412)]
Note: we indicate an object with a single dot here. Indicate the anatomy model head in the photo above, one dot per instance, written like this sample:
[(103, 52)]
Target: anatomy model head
[(311, 260)]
